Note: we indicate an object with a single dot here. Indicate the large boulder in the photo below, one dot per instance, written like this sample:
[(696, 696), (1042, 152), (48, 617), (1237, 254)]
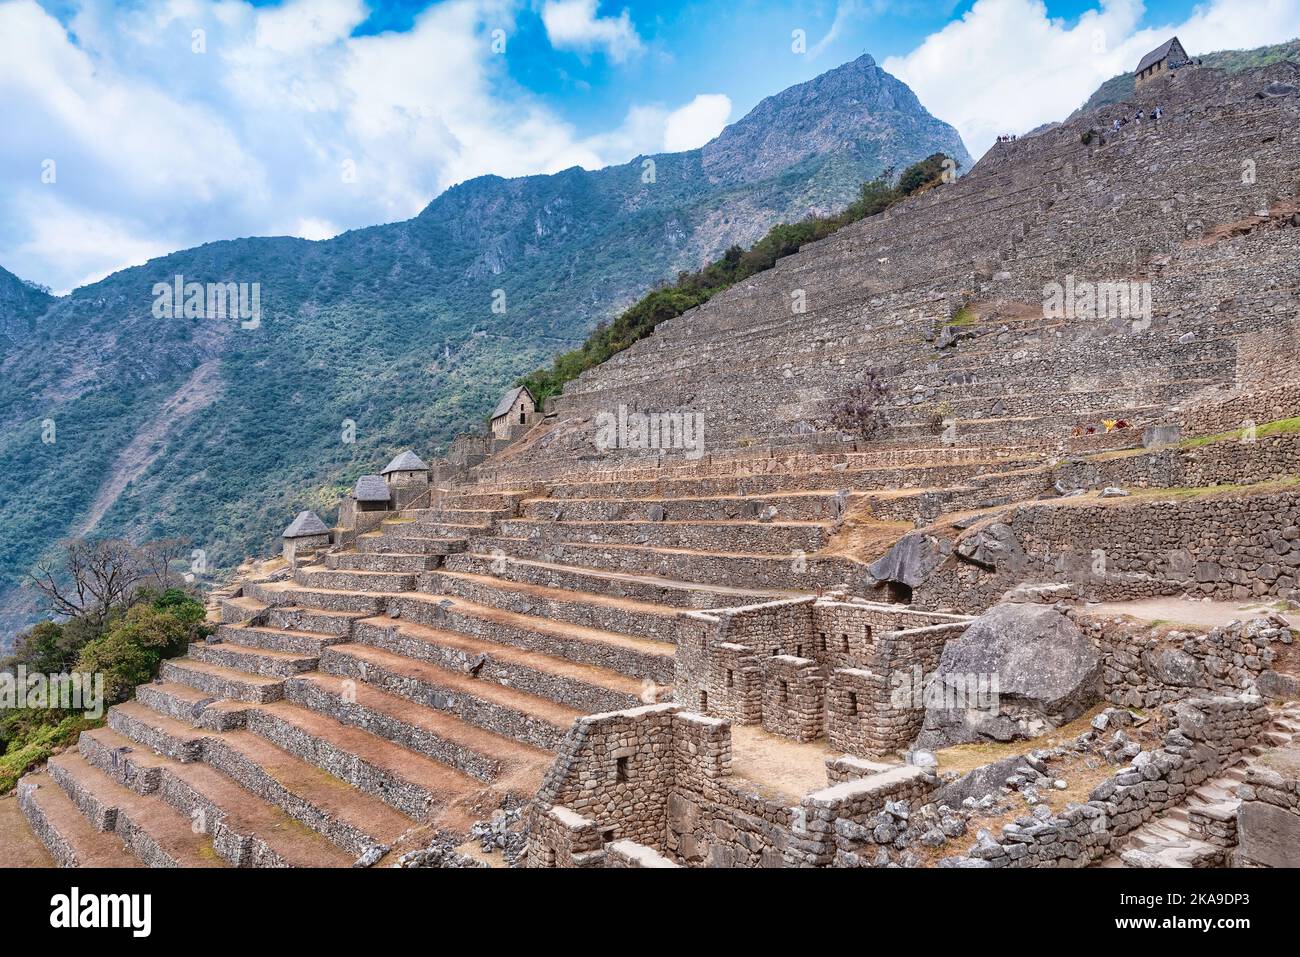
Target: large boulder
[(993, 548), (910, 561), (1046, 672)]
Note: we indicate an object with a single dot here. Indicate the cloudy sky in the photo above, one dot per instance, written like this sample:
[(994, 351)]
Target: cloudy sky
[(137, 127)]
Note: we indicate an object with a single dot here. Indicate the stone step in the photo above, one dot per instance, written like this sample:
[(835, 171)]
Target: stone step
[(430, 528), (321, 600), (377, 583), (409, 544), (313, 620), (284, 640), (627, 616), (588, 688), (246, 831), (635, 657), (793, 572), (350, 820), (221, 681), (256, 661), (730, 536), (489, 499), (154, 832), (505, 711), (196, 708), (477, 517), (64, 830), (380, 562), (813, 506), (649, 588), (240, 609), (482, 754), (410, 783)]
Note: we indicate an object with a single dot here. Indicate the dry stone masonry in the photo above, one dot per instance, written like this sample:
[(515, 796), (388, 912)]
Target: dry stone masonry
[(541, 651)]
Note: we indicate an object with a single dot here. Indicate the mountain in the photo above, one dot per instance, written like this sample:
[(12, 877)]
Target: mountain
[(1120, 88), (117, 422)]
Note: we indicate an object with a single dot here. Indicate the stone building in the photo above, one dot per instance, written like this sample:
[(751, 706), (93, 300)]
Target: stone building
[(1170, 55), (305, 533), (406, 469), (371, 494), (512, 411)]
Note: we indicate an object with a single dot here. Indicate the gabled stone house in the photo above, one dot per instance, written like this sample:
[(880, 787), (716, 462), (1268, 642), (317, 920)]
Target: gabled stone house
[(1170, 55), (512, 411)]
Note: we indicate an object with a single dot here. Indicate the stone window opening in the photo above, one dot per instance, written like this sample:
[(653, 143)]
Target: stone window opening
[(620, 770), (866, 632), (853, 703), (775, 652), (783, 691), (704, 695), (798, 651), (823, 640), (845, 641), (731, 678)]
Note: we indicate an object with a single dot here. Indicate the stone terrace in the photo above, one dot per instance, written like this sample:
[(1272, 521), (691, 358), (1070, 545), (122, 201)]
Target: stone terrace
[(506, 633)]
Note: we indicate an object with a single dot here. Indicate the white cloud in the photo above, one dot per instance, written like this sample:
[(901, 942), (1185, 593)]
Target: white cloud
[(1007, 67), (286, 124), (697, 122), (575, 25)]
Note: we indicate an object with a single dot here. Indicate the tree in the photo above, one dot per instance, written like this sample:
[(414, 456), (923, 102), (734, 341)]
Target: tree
[(92, 579)]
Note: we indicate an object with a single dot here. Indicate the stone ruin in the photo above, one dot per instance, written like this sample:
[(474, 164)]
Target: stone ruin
[(1039, 619)]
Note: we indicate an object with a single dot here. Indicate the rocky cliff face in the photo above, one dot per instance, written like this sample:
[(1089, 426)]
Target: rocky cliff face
[(390, 328)]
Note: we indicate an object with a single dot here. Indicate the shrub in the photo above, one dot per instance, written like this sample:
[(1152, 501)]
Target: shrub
[(129, 652), (860, 411)]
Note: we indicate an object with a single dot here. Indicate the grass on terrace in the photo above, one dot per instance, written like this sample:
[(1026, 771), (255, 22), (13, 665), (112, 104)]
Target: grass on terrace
[(1278, 427)]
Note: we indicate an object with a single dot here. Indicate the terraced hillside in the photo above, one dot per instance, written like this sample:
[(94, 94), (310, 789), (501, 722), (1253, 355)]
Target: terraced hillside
[(533, 629)]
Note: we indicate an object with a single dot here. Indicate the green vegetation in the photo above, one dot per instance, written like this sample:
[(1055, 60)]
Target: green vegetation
[(1119, 89), (389, 328), (1277, 427), (965, 316), (121, 638), (736, 265)]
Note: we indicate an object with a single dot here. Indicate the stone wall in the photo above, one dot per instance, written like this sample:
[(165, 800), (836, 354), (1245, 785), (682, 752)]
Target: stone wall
[(1216, 414), (1224, 546), (1150, 668), (1210, 734), (673, 795), (804, 668), (1267, 824)]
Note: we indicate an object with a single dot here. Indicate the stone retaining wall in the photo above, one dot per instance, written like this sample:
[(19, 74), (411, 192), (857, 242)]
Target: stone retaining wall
[(1210, 734)]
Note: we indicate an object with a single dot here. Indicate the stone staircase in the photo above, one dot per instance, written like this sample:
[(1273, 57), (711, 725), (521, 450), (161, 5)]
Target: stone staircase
[(1176, 838), (351, 710)]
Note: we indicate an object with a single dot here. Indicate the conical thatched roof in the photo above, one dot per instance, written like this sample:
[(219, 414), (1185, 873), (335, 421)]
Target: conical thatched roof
[(407, 461), (307, 523)]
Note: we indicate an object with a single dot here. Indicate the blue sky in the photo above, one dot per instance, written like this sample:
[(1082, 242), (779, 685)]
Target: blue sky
[(141, 126)]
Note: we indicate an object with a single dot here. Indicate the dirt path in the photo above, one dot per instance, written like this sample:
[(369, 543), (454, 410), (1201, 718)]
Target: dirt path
[(19, 847), (1186, 611), (197, 392)]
